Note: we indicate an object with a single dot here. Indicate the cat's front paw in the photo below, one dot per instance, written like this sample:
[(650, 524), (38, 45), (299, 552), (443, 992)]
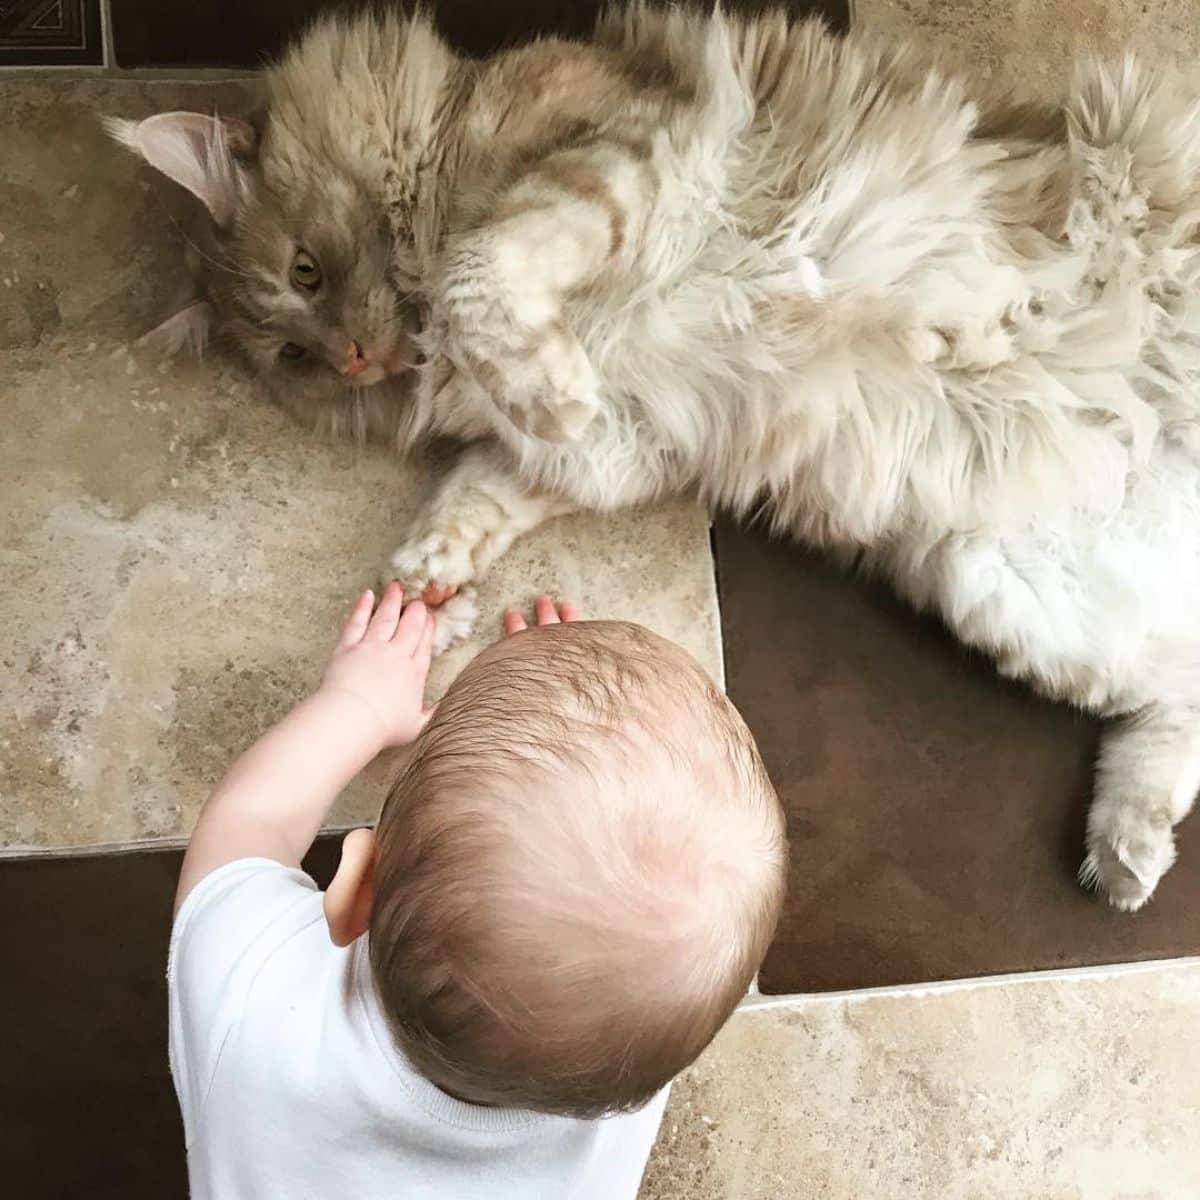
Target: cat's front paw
[(1129, 851), (538, 375), (437, 566), (434, 563)]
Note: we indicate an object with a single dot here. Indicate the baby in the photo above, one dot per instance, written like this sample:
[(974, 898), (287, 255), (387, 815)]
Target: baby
[(572, 883)]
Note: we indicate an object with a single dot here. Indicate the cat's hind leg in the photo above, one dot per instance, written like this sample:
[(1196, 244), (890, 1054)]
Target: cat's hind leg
[(1146, 782), (1020, 601)]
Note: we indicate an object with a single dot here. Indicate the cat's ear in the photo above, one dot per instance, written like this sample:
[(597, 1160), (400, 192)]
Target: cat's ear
[(187, 329), (198, 152)]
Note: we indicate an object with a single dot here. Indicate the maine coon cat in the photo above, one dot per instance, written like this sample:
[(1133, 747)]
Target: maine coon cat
[(957, 344)]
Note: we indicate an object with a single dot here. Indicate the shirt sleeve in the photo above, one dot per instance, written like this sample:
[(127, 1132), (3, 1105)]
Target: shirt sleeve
[(229, 925)]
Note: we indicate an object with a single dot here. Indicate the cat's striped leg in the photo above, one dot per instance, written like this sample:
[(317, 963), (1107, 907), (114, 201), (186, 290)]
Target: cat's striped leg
[(571, 217)]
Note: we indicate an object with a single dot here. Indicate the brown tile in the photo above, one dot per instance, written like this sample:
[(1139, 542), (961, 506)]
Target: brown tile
[(87, 1107), (50, 33), (230, 33), (937, 812)]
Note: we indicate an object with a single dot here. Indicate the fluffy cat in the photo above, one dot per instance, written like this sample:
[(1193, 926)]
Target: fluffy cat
[(955, 343)]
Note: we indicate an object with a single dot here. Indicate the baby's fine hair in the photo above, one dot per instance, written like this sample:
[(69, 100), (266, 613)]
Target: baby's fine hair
[(579, 871)]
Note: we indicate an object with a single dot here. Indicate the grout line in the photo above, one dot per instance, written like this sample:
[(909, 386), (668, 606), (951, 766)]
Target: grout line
[(108, 56), (714, 585), (77, 70), (127, 846), (92, 850), (185, 74), (133, 74), (796, 1001)]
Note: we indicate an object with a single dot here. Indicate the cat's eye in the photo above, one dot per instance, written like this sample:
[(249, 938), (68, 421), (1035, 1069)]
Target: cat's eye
[(292, 351), (305, 272)]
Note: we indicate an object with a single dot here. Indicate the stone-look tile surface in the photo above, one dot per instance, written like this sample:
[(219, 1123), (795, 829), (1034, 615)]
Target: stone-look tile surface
[(1086, 1089), (1029, 44), (177, 554)]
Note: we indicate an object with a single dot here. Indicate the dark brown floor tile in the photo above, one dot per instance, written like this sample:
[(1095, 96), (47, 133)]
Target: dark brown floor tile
[(937, 812), (50, 33), (231, 33), (86, 1103)]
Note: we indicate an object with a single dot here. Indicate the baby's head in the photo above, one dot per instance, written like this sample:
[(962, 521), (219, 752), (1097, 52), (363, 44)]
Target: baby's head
[(578, 873)]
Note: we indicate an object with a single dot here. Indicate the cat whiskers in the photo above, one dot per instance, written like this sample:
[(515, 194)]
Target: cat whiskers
[(358, 415), (226, 266)]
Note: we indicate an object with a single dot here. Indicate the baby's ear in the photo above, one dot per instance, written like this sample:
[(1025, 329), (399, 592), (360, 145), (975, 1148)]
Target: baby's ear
[(351, 892), (200, 153)]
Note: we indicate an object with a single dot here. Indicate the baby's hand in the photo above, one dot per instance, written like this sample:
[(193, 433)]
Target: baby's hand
[(545, 612), (381, 663)]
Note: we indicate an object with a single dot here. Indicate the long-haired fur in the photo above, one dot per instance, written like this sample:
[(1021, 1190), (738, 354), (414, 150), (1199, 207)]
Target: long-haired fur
[(954, 340)]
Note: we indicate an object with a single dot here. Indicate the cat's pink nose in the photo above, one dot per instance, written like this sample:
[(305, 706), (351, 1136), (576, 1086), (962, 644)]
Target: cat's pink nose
[(355, 362)]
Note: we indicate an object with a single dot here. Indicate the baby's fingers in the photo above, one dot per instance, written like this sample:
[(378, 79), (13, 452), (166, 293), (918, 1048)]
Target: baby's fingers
[(424, 651), (545, 611), (358, 620), (383, 624), (411, 628)]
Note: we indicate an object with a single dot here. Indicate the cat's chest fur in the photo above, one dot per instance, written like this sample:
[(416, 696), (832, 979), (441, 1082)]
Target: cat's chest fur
[(839, 290)]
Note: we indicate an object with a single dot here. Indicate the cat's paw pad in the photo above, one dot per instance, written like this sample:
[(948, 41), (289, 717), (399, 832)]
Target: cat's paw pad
[(433, 563), (1126, 858), (454, 620), (435, 593)]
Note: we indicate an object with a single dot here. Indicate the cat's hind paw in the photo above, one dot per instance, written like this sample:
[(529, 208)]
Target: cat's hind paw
[(1127, 856)]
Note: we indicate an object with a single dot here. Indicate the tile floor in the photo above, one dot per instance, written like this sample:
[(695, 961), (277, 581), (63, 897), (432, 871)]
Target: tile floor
[(162, 599), (146, 543)]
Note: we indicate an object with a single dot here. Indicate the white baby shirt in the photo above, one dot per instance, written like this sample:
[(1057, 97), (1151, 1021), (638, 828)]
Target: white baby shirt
[(292, 1088)]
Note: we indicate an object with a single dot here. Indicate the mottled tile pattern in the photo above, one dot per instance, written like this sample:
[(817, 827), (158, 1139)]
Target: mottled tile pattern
[(1086, 1089), (176, 552), (1029, 44)]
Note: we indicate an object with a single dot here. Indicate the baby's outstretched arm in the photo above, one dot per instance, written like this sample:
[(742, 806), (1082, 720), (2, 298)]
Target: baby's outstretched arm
[(274, 798)]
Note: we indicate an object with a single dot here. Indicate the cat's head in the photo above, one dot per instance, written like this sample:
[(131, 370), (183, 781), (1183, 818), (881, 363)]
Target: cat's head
[(298, 276)]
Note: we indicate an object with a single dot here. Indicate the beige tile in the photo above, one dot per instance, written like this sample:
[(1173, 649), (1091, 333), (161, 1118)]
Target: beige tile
[(176, 554), (1029, 43), (1086, 1089)]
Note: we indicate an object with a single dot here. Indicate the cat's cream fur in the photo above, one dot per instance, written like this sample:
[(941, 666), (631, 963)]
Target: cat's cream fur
[(957, 344)]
